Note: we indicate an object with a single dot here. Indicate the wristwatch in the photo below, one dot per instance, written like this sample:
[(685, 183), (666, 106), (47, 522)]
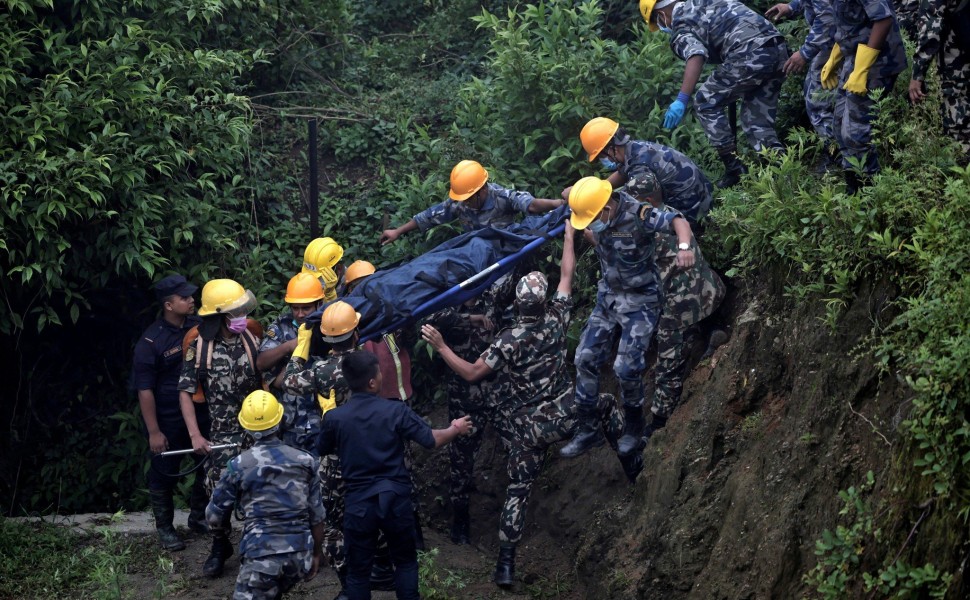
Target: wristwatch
[(683, 246)]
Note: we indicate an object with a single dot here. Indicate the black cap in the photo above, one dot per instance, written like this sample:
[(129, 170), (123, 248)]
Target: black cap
[(174, 285)]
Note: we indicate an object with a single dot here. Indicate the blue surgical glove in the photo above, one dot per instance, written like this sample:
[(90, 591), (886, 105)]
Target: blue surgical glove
[(676, 111)]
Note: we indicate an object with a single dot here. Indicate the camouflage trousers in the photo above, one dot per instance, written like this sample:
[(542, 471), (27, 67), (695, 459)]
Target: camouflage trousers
[(635, 329), (853, 116), (819, 102), (218, 459), (269, 577), (691, 295), (755, 79), (465, 399), (301, 421), (528, 435), (955, 86), (333, 501)]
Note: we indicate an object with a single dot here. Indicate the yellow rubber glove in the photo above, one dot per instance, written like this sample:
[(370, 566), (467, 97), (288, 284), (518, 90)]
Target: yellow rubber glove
[(302, 349), (328, 403), (830, 71), (864, 58)]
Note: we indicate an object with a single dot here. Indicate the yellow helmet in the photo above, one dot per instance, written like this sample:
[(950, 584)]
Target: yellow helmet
[(587, 198), (303, 288), (466, 178), (260, 411), (596, 134), (358, 269), (321, 252), (226, 296), (646, 9), (338, 321)]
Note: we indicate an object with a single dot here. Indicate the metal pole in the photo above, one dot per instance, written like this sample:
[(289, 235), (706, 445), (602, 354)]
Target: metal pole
[(190, 450), (314, 191)]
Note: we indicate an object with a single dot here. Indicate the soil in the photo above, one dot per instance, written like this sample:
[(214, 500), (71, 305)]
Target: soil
[(734, 492)]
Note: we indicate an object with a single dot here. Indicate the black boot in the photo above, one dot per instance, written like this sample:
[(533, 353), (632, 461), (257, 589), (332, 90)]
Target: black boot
[(632, 465), (715, 340), (197, 503), (733, 168), (342, 576), (855, 182), (632, 431), (587, 434), (461, 524), (505, 567), (656, 424), (163, 507), (221, 550)]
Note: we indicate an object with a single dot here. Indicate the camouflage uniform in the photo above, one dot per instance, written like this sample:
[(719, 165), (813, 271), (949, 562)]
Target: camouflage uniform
[(227, 383), (689, 296), (319, 377), (498, 210), (538, 409), (944, 32), (278, 492), (301, 413), (628, 297), (464, 398), (749, 53), (907, 15), (649, 166), (853, 118), (819, 102)]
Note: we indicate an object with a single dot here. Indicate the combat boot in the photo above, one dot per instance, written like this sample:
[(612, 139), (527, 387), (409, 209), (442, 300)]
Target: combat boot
[(632, 465), (632, 431), (221, 550), (505, 567), (656, 424), (587, 434), (342, 576), (855, 182), (461, 523), (197, 503), (733, 168), (715, 340), (163, 508)]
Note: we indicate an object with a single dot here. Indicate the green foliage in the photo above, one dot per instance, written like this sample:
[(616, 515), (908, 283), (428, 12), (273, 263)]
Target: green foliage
[(435, 584)]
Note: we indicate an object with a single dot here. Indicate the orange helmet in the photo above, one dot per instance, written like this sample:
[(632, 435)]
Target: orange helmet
[(357, 270), (466, 178), (338, 321), (596, 134), (303, 288)]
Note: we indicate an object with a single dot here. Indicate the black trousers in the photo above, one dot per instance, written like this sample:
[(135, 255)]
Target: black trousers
[(392, 514)]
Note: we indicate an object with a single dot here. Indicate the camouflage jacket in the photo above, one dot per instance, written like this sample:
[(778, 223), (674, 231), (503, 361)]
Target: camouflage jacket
[(226, 384), (499, 210), (684, 186), (301, 412), (318, 377), (689, 294), (531, 356), (853, 25), (629, 276), (821, 21), (934, 18), (718, 30), (279, 494)]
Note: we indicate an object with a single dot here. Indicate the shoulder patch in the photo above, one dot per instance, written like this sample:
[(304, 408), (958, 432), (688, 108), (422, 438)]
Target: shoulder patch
[(271, 332), (645, 212), (190, 353)]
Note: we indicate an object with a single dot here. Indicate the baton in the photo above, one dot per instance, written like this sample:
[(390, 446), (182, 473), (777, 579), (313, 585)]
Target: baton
[(190, 450)]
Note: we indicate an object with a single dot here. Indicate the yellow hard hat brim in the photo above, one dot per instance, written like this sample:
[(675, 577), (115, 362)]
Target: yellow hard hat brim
[(580, 223)]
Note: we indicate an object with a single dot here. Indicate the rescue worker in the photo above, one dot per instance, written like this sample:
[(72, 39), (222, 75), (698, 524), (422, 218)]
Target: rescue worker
[(538, 410), (321, 258), (689, 295), (220, 363), (323, 379), (648, 169), (277, 490), (868, 54), (628, 302), (944, 33), (467, 332), (368, 433), (819, 103), (301, 416), (155, 373), (474, 203), (749, 53)]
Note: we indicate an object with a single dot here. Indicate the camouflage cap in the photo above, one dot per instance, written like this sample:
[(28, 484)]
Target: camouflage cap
[(643, 184), (531, 289)]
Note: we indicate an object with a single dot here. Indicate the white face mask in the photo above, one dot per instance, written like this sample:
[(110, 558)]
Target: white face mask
[(664, 27)]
